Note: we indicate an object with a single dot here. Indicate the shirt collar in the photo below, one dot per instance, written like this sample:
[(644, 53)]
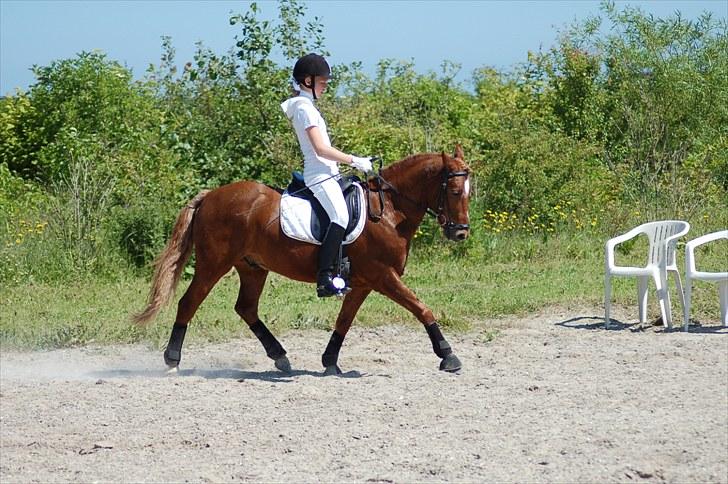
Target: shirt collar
[(289, 105)]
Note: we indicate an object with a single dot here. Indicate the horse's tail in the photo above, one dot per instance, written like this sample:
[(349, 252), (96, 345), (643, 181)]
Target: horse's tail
[(170, 263)]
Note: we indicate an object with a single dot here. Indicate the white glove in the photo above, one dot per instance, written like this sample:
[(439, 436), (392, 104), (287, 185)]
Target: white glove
[(363, 164)]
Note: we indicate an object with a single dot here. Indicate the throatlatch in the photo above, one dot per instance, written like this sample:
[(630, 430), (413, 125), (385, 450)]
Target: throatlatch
[(173, 353)]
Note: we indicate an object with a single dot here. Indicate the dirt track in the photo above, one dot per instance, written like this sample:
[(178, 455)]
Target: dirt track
[(554, 398)]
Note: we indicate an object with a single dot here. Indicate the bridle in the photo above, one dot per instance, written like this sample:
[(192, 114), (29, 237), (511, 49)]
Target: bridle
[(442, 215), (443, 210)]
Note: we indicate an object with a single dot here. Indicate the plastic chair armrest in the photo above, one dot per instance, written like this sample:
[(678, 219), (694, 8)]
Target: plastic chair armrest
[(613, 242), (669, 245), (704, 239), (695, 243)]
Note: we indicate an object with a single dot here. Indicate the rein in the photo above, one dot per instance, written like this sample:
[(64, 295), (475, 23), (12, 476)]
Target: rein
[(442, 218), (380, 191)]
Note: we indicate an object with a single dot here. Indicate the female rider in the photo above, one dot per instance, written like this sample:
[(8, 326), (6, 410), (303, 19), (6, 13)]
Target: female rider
[(320, 162)]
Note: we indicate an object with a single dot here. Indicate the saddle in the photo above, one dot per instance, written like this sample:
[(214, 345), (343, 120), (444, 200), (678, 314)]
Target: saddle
[(303, 218)]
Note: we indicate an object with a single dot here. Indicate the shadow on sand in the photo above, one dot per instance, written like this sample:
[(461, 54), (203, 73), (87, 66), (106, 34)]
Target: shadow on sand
[(597, 322), (593, 322), (218, 373)]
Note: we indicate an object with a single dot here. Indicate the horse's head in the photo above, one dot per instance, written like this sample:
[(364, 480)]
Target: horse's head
[(454, 196)]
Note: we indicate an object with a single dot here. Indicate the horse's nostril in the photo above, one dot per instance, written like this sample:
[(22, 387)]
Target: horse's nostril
[(462, 235)]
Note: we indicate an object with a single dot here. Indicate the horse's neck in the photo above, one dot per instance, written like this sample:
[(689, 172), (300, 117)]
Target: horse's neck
[(414, 180)]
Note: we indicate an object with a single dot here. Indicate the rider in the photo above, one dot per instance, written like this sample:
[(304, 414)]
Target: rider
[(320, 162)]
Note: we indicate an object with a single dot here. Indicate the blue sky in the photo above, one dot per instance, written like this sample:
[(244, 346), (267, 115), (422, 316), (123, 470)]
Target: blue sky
[(472, 33)]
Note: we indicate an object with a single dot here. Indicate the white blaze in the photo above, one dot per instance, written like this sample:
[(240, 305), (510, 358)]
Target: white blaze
[(466, 189)]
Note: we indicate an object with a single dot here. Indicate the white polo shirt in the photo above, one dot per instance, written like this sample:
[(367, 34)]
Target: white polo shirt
[(303, 114)]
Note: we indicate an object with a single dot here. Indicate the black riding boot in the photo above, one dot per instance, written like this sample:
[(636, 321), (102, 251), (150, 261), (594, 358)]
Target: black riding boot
[(327, 258)]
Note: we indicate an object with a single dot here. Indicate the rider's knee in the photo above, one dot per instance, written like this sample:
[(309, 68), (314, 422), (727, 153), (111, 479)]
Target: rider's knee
[(341, 219)]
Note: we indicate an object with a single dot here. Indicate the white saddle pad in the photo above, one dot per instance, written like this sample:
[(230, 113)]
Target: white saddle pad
[(295, 215)]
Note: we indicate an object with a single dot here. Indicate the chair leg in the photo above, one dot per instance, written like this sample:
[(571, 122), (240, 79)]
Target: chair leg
[(663, 296), (642, 291), (668, 300), (686, 302), (607, 299), (680, 292), (723, 295)]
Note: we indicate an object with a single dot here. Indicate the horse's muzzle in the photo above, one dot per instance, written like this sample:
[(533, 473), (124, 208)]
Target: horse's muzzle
[(456, 232), (462, 234)]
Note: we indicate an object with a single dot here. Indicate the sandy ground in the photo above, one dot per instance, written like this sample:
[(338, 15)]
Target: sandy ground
[(553, 398)]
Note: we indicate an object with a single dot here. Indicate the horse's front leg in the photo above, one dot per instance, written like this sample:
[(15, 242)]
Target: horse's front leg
[(393, 287), (352, 303)]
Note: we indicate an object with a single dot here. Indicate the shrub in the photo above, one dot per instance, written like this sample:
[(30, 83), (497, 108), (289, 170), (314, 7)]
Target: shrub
[(140, 231)]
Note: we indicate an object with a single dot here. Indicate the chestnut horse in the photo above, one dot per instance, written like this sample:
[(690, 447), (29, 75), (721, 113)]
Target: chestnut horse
[(237, 225)]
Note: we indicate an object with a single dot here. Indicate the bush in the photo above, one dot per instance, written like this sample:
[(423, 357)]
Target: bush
[(653, 93), (140, 231), (607, 128)]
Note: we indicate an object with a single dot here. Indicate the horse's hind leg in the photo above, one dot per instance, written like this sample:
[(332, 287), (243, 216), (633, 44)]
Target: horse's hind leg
[(252, 280), (352, 303), (202, 282)]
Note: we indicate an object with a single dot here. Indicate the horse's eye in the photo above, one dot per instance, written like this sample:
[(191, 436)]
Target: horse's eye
[(457, 193)]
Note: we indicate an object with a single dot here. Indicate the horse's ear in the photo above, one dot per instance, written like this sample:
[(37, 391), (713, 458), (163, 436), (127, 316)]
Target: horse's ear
[(459, 152)]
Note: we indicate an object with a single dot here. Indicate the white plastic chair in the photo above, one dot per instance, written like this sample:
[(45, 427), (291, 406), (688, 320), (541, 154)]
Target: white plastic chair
[(719, 277), (663, 236)]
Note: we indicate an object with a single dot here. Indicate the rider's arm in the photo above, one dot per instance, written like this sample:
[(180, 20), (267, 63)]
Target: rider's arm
[(324, 151)]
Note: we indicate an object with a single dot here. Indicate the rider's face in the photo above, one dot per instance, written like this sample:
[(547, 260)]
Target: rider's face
[(320, 85)]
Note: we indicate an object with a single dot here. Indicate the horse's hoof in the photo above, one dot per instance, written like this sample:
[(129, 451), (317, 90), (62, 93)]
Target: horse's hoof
[(450, 363), (332, 370), (170, 362), (172, 370), (283, 364)]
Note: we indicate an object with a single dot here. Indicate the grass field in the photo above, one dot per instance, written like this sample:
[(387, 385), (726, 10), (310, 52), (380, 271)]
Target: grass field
[(465, 285)]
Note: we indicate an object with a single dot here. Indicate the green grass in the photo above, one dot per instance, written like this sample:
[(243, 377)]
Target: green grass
[(466, 285)]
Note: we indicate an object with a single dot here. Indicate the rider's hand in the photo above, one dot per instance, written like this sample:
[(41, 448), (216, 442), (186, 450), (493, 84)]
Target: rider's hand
[(363, 164)]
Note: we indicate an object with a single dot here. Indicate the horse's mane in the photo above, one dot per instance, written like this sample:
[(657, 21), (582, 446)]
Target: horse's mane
[(424, 164)]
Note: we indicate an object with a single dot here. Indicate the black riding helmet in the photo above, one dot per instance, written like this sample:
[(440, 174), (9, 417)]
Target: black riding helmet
[(311, 65)]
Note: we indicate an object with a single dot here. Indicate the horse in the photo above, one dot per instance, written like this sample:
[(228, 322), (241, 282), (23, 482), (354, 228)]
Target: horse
[(236, 225)]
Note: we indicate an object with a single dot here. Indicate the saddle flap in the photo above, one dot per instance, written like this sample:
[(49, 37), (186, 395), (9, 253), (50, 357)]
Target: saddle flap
[(303, 218)]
